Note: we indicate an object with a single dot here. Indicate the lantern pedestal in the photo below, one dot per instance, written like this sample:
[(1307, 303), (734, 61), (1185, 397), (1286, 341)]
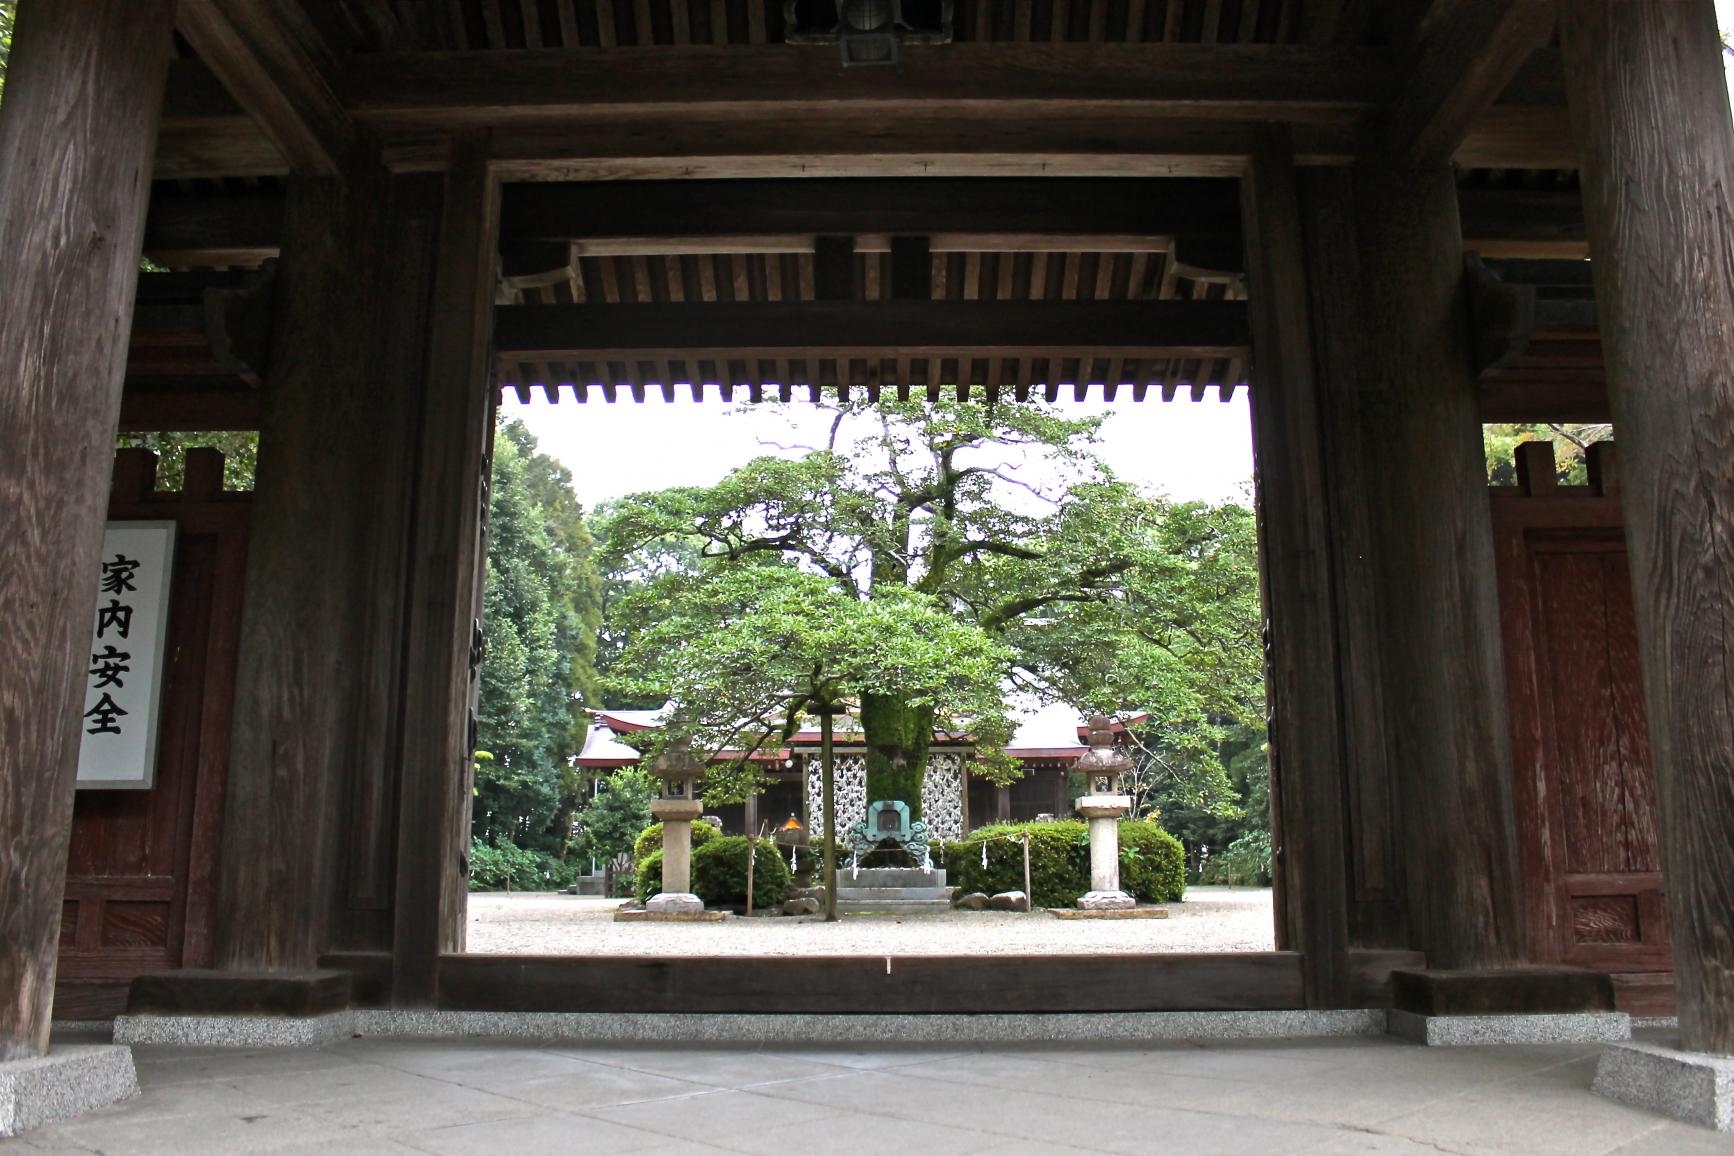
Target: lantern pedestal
[(676, 897), (1104, 812)]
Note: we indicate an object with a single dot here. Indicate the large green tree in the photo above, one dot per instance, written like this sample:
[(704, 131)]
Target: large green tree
[(1003, 517), (542, 604)]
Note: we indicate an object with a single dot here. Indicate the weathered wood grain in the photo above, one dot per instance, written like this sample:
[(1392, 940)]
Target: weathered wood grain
[(1301, 663), (1650, 117), (77, 134), (1432, 546)]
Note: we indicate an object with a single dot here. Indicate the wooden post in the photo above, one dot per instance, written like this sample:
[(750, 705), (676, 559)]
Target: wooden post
[(77, 136), (447, 557), (313, 528), (828, 787), (1306, 736), (1650, 116), (1432, 542)]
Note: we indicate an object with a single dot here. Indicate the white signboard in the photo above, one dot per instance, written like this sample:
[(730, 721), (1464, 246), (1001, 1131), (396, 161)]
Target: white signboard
[(123, 683)]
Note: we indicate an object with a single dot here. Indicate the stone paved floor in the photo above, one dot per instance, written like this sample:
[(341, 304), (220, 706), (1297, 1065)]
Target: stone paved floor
[(1211, 919), (1315, 1096)]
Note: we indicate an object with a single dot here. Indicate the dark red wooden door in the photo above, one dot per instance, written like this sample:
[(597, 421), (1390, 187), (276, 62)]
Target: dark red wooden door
[(141, 866), (1585, 791)]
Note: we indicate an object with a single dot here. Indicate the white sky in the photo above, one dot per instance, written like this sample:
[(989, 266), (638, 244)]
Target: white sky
[(1184, 448)]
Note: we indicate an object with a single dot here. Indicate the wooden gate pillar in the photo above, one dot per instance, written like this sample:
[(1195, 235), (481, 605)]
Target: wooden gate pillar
[(1306, 737), (447, 559), (77, 137), (1650, 115), (315, 685), (1431, 539)]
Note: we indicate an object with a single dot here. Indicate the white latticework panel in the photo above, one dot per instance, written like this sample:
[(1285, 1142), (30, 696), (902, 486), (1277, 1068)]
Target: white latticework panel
[(851, 788), (942, 797)]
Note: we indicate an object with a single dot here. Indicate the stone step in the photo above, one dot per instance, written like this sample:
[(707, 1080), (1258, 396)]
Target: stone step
[(889, 877), (891, 906), (875, 894)]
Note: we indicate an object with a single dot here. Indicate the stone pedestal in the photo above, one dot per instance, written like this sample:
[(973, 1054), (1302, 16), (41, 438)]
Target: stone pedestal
[(676, 816), (1104, 812)]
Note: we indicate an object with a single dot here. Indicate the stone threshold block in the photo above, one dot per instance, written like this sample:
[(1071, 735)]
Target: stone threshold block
[(1536, 1028), (69, 1081), (1109, 913), (199, 992), (234, 1030), (870, 1030), (1689, 1086)]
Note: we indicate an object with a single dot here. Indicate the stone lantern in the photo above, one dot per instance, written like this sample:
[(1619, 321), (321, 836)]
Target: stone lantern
[(677, 769), (1103, 805)]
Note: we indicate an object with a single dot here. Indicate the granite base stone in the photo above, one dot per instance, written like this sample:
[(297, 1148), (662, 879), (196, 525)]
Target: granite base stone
[(235, 1031), (839, 1030), (1471, 1031), (1105, 901), (69, 1081), (674, 903), (1688, 1086)]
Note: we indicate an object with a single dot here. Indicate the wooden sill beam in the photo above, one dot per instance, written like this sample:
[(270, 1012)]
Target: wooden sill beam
[(1192, 329), (1466, 54), (274, 76)]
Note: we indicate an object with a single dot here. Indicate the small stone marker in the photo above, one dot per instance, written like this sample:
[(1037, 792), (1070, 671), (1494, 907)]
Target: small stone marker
[(1010, 901)]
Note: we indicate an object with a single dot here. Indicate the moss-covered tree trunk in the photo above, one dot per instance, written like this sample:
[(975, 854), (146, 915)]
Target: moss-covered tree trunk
[(898, 736)]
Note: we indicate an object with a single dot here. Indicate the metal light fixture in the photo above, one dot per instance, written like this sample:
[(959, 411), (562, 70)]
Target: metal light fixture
[(868, 31)]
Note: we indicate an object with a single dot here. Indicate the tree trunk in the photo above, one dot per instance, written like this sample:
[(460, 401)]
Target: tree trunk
[(898, 736)]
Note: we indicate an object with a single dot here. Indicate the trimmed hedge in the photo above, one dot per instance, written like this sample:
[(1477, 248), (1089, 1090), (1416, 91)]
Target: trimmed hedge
[(650, 839), (719, 874), (1152, 862)]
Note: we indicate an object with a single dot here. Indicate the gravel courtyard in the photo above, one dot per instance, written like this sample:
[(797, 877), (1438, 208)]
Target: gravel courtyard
[(1211, 919)]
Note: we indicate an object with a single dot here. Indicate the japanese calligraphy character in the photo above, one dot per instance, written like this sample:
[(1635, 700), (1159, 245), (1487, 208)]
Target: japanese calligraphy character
[(115, 615), (104, 712), (117, 575), (108, 666)]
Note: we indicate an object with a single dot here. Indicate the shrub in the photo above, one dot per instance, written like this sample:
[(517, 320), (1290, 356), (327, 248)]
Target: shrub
[(719, 873), (1152, 862), (650, 839), (1059, 861), (648, 878), (506, 866)]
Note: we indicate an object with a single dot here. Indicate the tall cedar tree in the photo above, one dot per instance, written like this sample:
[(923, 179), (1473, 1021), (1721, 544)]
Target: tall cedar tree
[(542, 610)]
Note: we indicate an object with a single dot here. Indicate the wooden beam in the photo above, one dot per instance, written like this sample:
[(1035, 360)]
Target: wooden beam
[(1054, 207), (77, 132), (275, 76), (207, 229), (1191, 329), (1301, 662), (446, 562), (1650, 113), (1466, 54), (1203, 81)]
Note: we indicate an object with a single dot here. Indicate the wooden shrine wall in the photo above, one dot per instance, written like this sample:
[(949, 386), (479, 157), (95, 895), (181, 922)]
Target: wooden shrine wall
[(1585, 794), (141, 872)]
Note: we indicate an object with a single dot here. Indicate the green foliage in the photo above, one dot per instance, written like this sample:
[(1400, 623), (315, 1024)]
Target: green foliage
[(608, 823), (1569, 443), (7, 9), (1246, 862), (647, 876), (719, 873), (240, 455), (650, 839), (542, 602), (1152, 863), (507, 867)]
